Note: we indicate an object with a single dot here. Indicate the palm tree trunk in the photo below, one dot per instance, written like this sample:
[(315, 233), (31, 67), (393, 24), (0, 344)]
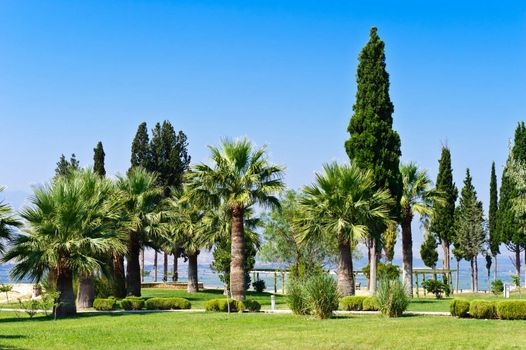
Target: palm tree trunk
[(155, 266), (495, 267), (237, 252), (119, 278), (345, 273), (165, 267), (193, 285), (133, 268), (407, 251), (372, 267), (141, 259), (86, 290), (175, 276), (66, 299)]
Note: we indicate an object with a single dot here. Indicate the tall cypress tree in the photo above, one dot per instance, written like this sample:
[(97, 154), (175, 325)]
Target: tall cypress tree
[(373, 144), (494, 237), (140, 150), (443, 222), (98, 160)]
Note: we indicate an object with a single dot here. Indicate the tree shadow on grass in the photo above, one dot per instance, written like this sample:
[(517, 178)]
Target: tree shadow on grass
[(10, 336)]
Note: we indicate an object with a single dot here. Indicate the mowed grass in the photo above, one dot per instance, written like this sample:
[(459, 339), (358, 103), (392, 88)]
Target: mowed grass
[(256, 331), (430, 303)]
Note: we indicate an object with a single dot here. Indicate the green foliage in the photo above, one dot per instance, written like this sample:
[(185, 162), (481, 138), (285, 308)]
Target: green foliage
[(65, 167), (373, 144), (389, 240), (132, 303), (321, 295), (225, 305), (259, 286), (482, 309), (296, 297), (352, 303), (104, 304), (141, 155), (370, 304), (459, 308), (497, 287), (494, 238), (98, 160), (252, 305), (31, 307), (167, 304), (428, 251), (8, 223), (392, 297), (103, 287), (6, 288), (511, 309), (436, 287), (389, 271)]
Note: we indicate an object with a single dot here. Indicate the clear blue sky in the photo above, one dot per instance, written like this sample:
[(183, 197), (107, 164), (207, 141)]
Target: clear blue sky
[(280, 72)]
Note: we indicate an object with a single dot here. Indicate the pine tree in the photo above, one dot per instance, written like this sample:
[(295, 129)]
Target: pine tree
[(140, 150), (65, 167), (470, 231), (373, 144), (98, 160), (428, 251), (494, 237), (443, 222)]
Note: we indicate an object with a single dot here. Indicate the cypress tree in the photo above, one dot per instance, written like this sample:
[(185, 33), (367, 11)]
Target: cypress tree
[(373, 144), (140, 150), (428, 251), (443, 222), (98, 160), (65, 167), (494, 237)]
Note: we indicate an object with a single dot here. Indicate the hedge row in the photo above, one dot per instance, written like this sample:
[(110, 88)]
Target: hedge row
[(104, 304), (137, 303), (167, 304), (358, 303), (223, 305), (489, 309)]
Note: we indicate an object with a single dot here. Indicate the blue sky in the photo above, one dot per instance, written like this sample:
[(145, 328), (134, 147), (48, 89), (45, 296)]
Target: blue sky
[(280, 72)]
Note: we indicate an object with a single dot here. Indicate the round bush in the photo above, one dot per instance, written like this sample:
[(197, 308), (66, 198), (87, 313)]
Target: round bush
[(370, 304), (511, 309), (352, 303), (132, 304), (497, 287), (222, 305), (482, 309), (167, 304), (104, 304), (252, 305), (259, 286), (459, 308)]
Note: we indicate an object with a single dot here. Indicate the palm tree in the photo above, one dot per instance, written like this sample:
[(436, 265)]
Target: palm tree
[(342, 204), (8, 222), (140, 197), (69, 227), (417, 198), (239, 177)]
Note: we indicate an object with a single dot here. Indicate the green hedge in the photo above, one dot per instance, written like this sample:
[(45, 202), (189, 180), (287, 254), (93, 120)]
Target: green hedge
[(370, 304), (352, 303), (252, 305), (511, 309), (104, 304), (167, 304), (132, 304), (459, 308), (482, 309), (221, 305)]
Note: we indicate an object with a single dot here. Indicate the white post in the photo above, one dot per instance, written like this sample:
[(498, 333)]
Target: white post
[(273, 302)]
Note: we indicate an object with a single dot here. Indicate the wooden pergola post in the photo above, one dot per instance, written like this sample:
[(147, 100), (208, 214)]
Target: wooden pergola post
[(275, 282), (417, 293)]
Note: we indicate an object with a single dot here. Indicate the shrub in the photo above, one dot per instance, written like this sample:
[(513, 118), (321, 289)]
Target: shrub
[(222, 305), (511, 309), (321, 295), (104, 304), (497, 287), (252, 305), (352, 303), (392, 297), (259, 286), (132, 303), (389, 271), (482, 309), (370, 304), (295, 297), (167, 304), (436, 287), (459, 308)]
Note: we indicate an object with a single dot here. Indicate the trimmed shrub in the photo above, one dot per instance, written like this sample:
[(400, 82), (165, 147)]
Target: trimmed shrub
[(104, 304), (392, 297), (295, 297), (352, 303), (436, 287), (132, 303), (222, 305), (370, 304), (511, 309), (321, 295), (459, 308), (167, 304), (482, 309), (252, 305), (259, 286), (497, 287)]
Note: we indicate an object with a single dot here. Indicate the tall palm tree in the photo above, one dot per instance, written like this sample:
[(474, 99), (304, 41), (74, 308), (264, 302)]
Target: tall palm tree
[(417, 198), (342, 204), (140, 197), (8, 222), (69, 227), (239, 177)]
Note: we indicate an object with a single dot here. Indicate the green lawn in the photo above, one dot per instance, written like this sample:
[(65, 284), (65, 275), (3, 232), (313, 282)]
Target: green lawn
[(429, 303), (256, 331)]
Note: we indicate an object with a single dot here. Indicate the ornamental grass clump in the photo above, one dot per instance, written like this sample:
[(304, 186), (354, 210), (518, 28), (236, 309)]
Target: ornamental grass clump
[(392, 297), (316, 295), (296, 298)]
